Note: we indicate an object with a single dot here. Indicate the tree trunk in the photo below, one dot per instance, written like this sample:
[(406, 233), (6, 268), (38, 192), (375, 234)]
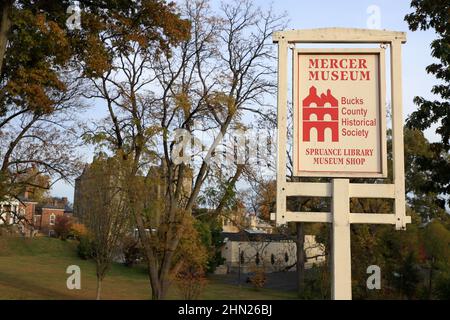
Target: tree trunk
[(430, 283), (5, 26), (99, 288), (300, 258), (156, 273), (156, 293), (159, 289), (155, 283)]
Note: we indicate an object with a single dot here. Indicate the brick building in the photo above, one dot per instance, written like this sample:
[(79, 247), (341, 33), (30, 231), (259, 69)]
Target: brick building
[(30, 217)]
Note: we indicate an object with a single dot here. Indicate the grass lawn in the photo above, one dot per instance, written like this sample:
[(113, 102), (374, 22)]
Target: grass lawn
[(36, 269)]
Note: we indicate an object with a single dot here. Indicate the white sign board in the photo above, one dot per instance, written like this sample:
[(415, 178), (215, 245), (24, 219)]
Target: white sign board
[(339, 113)]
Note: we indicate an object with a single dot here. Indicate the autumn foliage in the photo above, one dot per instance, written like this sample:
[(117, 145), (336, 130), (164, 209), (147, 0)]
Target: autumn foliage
[(63, 226), (192, 259)]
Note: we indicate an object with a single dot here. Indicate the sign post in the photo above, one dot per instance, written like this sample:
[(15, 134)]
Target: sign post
[(341, 253), (340, 133)]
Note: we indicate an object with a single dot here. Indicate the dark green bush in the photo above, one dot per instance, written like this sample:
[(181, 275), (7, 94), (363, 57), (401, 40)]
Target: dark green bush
[(84, 249), (131, 251), (443, 287)]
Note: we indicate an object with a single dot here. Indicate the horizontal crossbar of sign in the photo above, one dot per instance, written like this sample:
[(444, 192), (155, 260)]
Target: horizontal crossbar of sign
[(356, 190), (327, 217), (308, 216), (376, 218), (339, 35)]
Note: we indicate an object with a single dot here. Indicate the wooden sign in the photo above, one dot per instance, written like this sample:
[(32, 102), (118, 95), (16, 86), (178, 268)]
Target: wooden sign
[(340, 132), (339, 113)]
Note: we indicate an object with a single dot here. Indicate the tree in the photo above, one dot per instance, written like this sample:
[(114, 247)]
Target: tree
[(21, 19), (264, 202), (398, 253), (38, 91), (104, 210), (28, 54), (220, 71), (37, 149), (63, 226), (436, 244), (434, 166), (435, 14), (209, 230), (40, 61), (422, 185), (190, 262)]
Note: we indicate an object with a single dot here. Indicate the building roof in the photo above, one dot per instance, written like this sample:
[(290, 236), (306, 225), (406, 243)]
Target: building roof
[(26, 199), (49, 206), (252, 235), (55, 203), (68, 209)]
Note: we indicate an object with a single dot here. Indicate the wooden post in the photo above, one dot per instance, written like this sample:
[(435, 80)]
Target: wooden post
[(341, 252), (397, 133), (282, 129)]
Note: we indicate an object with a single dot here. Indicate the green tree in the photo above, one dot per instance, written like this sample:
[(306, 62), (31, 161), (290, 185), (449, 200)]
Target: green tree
[(435, 15), (209, 230), (422, 185), (397, 253), (443, 286), (217, 74), (41, 62), (103, 208), (436, 244)]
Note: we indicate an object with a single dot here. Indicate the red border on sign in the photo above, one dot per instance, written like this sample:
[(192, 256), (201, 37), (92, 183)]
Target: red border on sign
[(299, 123)]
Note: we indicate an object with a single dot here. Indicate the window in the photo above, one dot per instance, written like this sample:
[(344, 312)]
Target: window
[(52, 219), (37, 220)]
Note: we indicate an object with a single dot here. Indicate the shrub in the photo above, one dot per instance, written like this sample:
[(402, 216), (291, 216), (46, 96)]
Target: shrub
[(443, 287), (85, 249), (192, 258), (210, 235), (190, 282), (317, 283), (131, 251), (78, 230), (259, 278), (63, 226)]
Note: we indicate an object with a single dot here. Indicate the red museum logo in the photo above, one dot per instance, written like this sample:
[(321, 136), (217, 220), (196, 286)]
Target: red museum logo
[(320, 116)]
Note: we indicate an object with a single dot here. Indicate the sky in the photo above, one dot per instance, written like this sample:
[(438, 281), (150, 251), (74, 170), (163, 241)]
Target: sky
[(306, 14)]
